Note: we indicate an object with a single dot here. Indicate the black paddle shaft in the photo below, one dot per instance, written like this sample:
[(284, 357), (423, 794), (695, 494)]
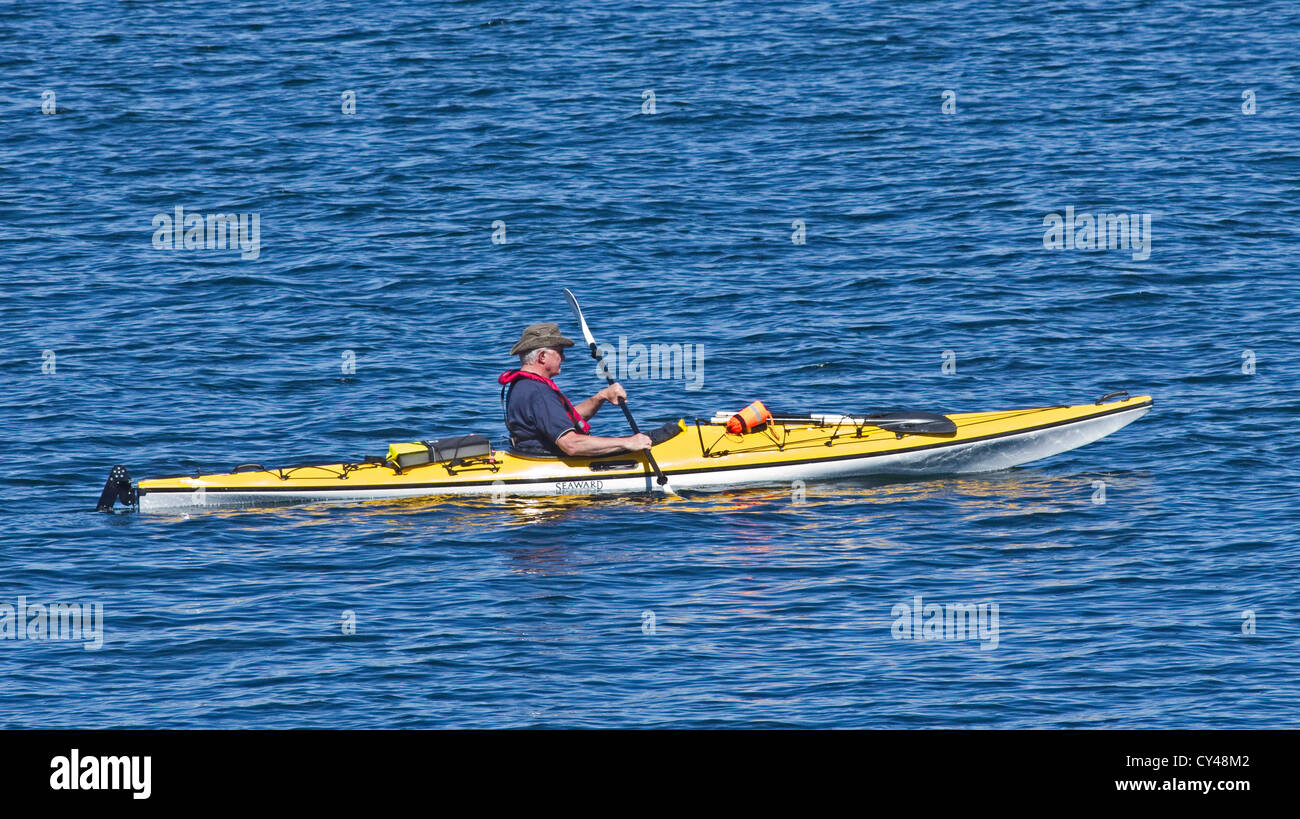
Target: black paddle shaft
[(627, 413)]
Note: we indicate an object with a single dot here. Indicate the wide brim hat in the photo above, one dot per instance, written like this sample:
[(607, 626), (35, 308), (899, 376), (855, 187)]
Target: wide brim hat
[(537, 336)]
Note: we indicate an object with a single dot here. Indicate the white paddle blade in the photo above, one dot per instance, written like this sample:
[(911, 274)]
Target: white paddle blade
[(582, 322)]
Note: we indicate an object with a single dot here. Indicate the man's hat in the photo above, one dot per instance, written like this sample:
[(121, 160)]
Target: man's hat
[(536, 336)]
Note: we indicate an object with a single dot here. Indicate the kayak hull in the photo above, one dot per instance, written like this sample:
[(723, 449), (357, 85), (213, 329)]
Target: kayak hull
[(703, 457)]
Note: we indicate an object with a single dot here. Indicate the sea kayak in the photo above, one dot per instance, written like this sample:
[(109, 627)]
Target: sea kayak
[(701, 454)]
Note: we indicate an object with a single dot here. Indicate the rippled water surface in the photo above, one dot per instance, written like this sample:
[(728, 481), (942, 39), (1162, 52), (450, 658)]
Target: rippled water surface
[(1172, 603)]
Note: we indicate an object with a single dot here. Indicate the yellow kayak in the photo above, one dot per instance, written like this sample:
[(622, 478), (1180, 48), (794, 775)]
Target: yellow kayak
[(701, 455)]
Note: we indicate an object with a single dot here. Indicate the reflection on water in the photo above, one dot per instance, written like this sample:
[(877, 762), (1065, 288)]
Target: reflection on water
[(553, 559), (750, 520)]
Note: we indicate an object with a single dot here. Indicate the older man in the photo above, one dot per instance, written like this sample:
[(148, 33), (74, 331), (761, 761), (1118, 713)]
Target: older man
[(540, 419)]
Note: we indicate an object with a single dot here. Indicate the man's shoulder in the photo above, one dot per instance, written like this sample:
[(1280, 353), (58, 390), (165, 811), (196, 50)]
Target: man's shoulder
[(527, 386), (525, 392)]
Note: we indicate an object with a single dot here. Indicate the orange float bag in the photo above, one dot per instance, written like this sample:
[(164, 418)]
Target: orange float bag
[(749, 419)]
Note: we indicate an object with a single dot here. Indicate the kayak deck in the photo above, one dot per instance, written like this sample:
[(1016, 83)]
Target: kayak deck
[(702, 456)]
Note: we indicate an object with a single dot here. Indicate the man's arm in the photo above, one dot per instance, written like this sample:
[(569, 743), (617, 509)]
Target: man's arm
[(574, 443), (612, 394)]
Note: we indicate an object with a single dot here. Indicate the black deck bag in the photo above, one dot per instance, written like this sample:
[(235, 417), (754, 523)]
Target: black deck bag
[(443, 450)]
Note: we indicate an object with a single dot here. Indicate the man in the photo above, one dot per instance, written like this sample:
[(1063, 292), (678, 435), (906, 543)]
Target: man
[(540, 419)]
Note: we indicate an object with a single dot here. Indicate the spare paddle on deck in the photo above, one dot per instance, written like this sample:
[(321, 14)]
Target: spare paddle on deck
[(627, 413), (902, 422)]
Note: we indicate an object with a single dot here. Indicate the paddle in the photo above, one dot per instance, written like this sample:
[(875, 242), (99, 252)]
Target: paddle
[(907, 422), (627, 413)]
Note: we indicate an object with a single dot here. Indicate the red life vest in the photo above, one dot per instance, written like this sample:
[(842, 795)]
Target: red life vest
[(579, 423)]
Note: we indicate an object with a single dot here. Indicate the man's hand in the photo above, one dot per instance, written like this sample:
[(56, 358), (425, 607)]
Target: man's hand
[(613, 393), (637, 442)]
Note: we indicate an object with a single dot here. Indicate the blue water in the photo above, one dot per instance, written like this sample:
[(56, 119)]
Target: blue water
[(924, 234)]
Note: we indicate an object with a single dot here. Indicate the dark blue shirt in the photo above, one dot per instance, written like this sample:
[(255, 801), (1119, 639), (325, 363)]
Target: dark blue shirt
[(535, 417)]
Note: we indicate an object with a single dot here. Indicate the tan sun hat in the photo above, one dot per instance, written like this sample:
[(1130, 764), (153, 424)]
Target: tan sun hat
[(536, 336)]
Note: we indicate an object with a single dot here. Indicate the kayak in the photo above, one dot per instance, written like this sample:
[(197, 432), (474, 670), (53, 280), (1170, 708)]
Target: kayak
[(702, 454)]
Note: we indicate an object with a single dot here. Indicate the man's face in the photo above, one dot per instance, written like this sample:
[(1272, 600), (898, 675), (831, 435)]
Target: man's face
[(550, 361)]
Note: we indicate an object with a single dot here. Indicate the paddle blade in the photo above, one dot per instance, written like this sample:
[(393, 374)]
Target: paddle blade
[(913, 422), (582, 322)]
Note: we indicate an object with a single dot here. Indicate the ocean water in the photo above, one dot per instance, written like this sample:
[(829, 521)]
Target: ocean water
[(788, 188)]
